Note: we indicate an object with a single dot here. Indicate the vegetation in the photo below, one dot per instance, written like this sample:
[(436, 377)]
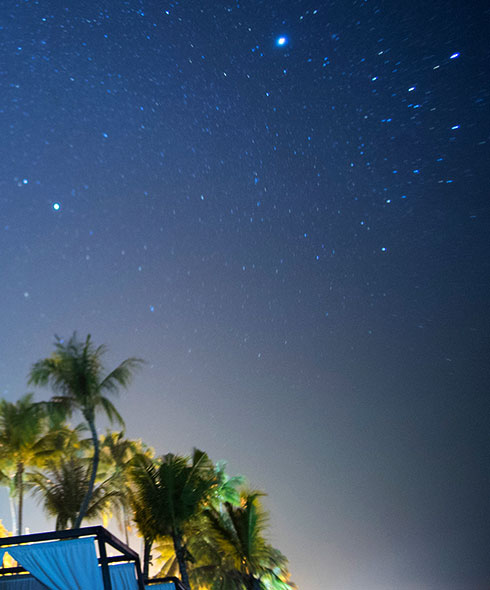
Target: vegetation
[(201, 524), (172, 492), (62, 488), (235, 537), (117, 454), (23, 444), (77, 377)]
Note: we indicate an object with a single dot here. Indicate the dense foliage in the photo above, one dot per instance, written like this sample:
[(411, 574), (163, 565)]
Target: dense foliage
[(196, 521)]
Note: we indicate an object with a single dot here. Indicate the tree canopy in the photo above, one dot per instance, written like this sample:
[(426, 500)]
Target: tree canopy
[(201, 523)]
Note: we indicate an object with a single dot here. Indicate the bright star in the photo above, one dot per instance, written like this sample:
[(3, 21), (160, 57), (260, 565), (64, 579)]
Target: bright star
[(56, 206), (280, 41)]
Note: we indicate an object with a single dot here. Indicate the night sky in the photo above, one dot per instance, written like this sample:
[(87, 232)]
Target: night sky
[(283, 208)]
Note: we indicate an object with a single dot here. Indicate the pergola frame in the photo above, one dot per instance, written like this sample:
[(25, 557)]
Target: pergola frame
[(103, 538)]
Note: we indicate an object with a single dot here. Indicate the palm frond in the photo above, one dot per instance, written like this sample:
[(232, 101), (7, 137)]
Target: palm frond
[(111, 411), (121, 376)]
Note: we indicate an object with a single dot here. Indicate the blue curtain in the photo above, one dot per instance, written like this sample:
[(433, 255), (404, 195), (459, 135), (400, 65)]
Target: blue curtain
[(60, 565)]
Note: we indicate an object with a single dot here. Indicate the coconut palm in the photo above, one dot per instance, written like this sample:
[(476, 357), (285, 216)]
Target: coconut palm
[(76, 374), (168, 495), (166, 558), (63, 484), (226, 488), (68, 442), (233, 551), (7, 479), (23, 444), (143, 521), (200, 550), (116, 455)]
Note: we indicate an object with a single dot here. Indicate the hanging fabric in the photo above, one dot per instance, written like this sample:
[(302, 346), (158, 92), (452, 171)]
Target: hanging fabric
[(123, 576), (61, 565)]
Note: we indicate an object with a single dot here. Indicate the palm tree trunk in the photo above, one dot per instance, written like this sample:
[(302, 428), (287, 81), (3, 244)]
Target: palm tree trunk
[(126, 524), (13, 514), (20, 489), (146, 559), (180, 554), (95, 465)]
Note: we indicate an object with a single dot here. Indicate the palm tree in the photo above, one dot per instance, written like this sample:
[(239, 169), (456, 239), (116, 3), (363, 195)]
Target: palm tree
[(143, 521), (23, 443), (62, 486), (167, 558), (226, 488), (7, 479), (233, 550), (68, 442), (200, 550), (117, 453), (76, 374), (168, 495)]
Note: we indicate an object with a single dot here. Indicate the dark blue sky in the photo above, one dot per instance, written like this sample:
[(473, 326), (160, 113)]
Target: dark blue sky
[(295, 237)]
